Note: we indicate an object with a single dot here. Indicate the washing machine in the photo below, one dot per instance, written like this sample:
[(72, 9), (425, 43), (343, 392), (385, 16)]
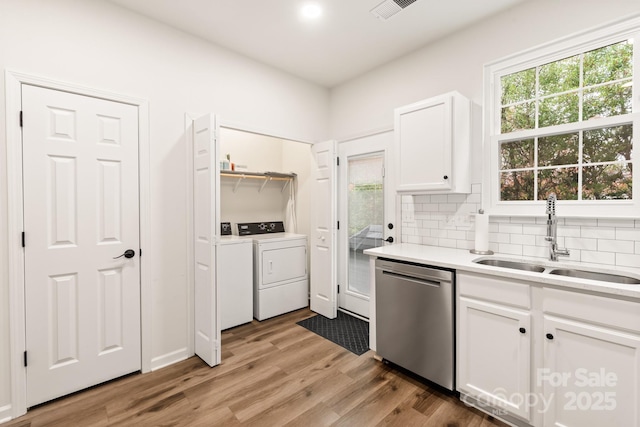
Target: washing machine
[(280, 277), (235, 281)]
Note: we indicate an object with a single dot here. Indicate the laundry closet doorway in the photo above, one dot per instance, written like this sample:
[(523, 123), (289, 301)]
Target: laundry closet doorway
[(248, 199)]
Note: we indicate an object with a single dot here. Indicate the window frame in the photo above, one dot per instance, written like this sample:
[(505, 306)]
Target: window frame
[(553, 51)]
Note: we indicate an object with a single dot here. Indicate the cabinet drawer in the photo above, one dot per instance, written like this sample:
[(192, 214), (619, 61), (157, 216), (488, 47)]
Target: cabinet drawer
[(595, 309), (509, 292)]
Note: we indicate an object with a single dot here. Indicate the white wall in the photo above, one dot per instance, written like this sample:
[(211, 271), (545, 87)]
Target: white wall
[(99, 45), (456, 62)]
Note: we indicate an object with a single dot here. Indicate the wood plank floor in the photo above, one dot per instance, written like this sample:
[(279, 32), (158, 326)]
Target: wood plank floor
[(273, 373)]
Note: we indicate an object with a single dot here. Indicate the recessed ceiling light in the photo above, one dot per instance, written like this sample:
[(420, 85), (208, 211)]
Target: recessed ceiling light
[(311, 11)]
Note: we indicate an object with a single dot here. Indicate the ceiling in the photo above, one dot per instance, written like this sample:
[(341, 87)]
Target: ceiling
[(346, 41)]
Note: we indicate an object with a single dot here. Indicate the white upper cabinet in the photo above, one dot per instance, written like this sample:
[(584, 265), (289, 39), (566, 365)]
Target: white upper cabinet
[(432, 140)]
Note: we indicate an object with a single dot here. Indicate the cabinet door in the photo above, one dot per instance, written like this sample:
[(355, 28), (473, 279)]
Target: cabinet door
[(423, 133), (494, 356), (591, 375)]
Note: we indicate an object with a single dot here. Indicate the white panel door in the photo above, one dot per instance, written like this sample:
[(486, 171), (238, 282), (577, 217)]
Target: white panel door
[(206, 224), (80, 213), (323, 230), (366, 211)]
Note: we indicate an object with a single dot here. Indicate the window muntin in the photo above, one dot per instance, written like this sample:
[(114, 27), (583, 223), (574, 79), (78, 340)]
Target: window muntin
[(579, 164)]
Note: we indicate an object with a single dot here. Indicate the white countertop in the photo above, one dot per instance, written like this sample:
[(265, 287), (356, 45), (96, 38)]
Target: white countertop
[(462, 260)]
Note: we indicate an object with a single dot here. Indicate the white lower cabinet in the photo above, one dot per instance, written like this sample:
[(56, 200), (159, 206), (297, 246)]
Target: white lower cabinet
[(495, 362), (561, 358), (590, 374)]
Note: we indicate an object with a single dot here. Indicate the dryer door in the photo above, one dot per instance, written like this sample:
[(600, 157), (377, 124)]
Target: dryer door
[(283, 265)]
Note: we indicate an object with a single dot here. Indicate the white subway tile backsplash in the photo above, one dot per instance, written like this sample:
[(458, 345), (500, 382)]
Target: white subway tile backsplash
[(448, 243), (523, 220), (534, 229), (456, 234), (474, 198), (507, 248), (580, 243), (569, 231), (581, 222), (535, 251), (627, 234), (439, 198), (430, 241), (598, 257), (499, 238), (448, 207), (510, 228), (628, 260), (456, 198), (523, 239), (412, 239), (449, 221), (622, 246), (616, 223), (499, 219), (598, 232), (464, 244)]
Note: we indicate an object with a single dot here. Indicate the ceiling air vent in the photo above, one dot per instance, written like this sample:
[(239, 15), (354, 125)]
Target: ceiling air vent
[(388, 8)]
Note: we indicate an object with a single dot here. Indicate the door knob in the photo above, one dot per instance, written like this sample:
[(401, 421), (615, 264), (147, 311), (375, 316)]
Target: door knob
[(389, 239), (129, 253)]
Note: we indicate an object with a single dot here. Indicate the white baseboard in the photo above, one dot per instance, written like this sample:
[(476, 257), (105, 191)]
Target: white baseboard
[(5, 413), (170, 358)]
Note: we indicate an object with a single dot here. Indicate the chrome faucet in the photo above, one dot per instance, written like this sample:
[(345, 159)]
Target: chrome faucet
[(552, 230)]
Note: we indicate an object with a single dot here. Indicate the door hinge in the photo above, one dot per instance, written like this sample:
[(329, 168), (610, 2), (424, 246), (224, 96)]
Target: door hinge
[(337, 159), (383, 171), (20, 118), (25, 359), (140, 252), (23, 239), (338, 225), (338, 288)]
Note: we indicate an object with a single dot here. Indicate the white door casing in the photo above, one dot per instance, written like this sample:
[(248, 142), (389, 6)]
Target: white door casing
[(206, 184), (81, 209), (322, 240)]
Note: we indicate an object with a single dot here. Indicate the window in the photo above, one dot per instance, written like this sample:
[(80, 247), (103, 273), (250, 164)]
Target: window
[(562, 119)]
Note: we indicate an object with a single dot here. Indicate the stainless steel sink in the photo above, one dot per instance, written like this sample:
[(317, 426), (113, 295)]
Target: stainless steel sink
[(560, 271), (511, 264), (594, 275)]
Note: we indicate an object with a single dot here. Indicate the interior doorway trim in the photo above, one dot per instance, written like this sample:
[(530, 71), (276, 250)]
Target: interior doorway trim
[(13, 83)]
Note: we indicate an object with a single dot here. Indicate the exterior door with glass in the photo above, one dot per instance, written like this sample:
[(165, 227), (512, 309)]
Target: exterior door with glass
[(366, 209)]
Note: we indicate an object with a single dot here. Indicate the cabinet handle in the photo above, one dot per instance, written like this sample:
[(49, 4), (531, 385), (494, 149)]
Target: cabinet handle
[(523, 330), (446, 177), (549, 336)]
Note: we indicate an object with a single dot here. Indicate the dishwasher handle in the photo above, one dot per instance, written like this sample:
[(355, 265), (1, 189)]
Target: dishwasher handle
[(414, 271), (420, 281)]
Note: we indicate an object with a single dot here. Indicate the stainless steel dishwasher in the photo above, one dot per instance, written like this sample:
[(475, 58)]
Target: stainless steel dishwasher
[(415, 319)]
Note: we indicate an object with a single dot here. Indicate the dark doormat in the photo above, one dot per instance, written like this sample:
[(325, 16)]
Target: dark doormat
[(346, 331)]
